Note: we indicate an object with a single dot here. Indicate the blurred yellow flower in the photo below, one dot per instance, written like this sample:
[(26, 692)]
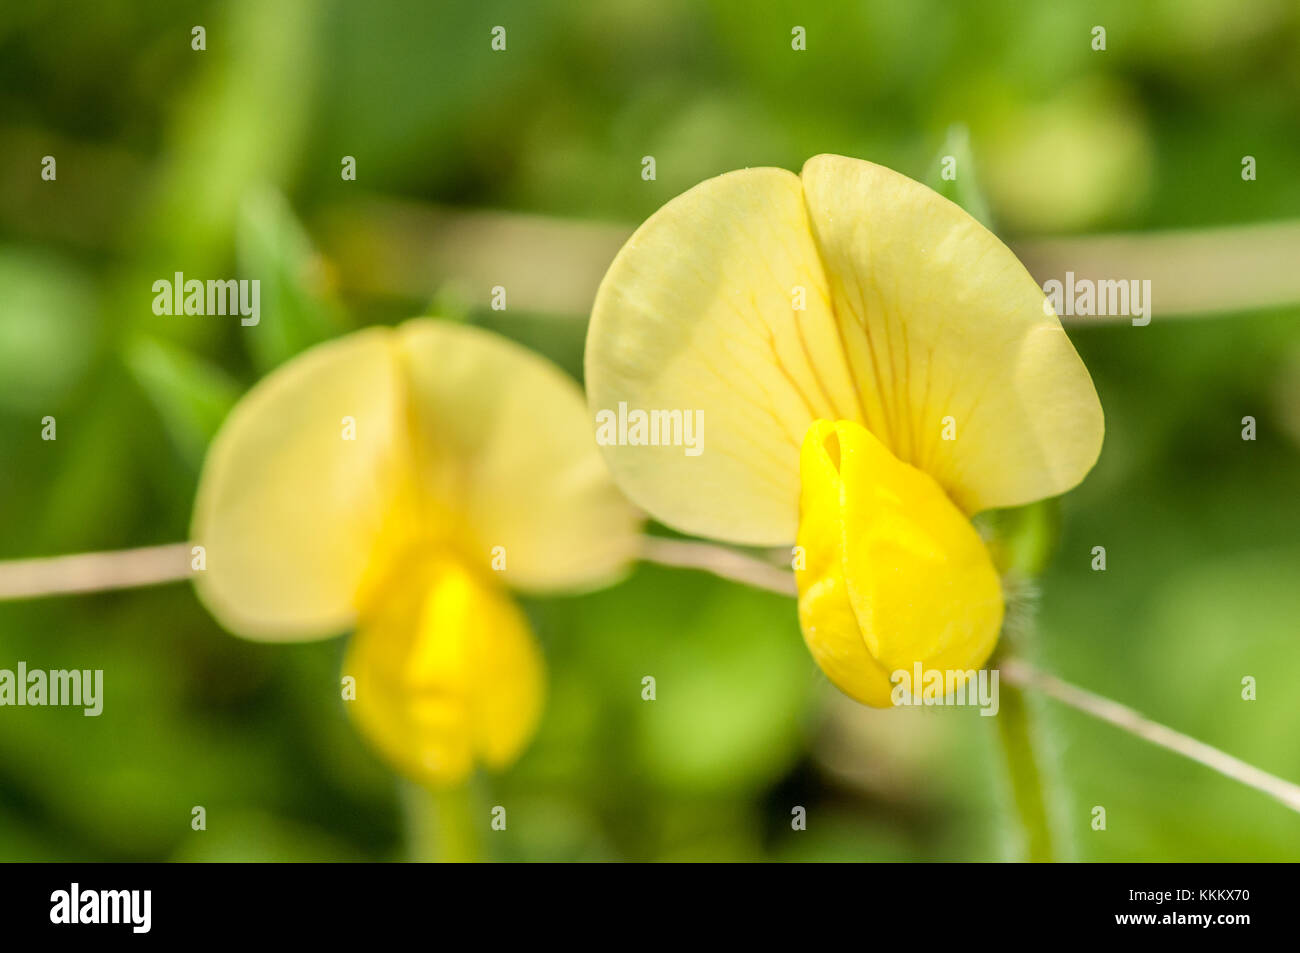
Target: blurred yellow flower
[(873, 367), (397, 481)]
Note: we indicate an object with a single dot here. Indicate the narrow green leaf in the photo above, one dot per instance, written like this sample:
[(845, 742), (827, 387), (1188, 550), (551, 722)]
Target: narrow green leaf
[(296, 306), (191, 395), (954, 175)]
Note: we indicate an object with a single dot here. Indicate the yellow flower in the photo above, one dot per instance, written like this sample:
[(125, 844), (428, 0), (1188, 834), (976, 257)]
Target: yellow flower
[(873, 367), (396, 481)]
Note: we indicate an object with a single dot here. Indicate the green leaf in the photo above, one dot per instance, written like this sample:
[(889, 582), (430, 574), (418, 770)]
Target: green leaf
[(1022, 539), (954, 175), (297, 308), (191, 395), (242, 121)]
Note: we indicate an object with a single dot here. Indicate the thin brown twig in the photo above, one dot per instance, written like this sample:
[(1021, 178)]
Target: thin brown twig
[(552, 266), (1135, 723), (719, 560), (94, 572), (151, 565), (741, 568)]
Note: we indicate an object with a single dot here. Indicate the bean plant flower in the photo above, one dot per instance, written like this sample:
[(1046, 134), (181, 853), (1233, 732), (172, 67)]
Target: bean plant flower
[(872, 367), (399, 482)]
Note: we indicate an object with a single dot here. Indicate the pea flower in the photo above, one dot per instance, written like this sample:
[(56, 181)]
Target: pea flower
[(395, 481), (873, 367)]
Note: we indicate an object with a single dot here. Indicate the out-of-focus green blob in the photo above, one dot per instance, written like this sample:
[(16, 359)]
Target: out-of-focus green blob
[(732, 690), (47, 330), (1080, 158), (727, 711)]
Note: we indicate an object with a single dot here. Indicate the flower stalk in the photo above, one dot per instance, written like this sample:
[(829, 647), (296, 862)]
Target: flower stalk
[(440, 824), (1024, 771), (152, 565)]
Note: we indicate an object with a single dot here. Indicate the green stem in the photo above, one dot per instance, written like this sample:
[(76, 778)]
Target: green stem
[(1025, 772), (1027, 742), (441, 825)]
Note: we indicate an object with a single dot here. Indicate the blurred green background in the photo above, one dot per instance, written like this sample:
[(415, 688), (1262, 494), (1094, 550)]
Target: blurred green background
[(227, 162)]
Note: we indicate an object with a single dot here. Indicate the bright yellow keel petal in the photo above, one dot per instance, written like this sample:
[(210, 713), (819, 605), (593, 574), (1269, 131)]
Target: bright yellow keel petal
[(447, 673), (896, 574), (830, 627)]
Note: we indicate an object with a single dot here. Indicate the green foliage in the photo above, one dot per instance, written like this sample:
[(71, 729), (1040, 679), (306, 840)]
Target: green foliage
[(191, 396), (297, 307), (224, 163), (955, 178)]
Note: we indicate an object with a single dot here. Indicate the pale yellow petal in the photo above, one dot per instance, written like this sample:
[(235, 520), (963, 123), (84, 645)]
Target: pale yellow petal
[(940, 320), (447, 673), (505, 451), (896, 575), (699, 313), (289, 509)]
